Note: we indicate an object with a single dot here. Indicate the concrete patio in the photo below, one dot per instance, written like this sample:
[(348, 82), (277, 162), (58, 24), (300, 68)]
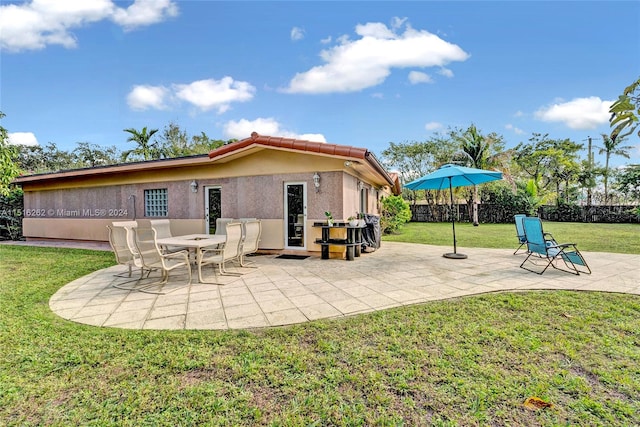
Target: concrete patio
[(288, 291)]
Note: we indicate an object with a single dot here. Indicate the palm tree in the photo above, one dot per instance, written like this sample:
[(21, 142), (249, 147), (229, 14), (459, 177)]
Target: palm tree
[(611, 148), (142, 138), (480, 152)]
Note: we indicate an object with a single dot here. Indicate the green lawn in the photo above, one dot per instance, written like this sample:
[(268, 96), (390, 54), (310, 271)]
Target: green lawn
[(620, 238), (469, 361)]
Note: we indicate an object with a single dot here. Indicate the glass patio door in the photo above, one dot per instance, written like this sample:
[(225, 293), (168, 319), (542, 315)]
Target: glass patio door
[(212, 208), (295, 214)]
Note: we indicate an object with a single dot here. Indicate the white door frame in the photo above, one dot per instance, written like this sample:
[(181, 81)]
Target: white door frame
[(286, 214)]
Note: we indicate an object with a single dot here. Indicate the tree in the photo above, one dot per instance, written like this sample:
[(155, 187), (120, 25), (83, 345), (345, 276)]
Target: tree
[(611, 148), (174, 142), (548, 162), (625, 112), (146, 149), (92, 155), (202, 144), (628, 182), (415, 159), (481, 152), (39, 159), (9, 169)]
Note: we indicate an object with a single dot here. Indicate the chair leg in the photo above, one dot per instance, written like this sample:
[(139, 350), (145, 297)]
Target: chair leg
[(164, 281), (137, 284), (246, 264), (534, 271), (221, 273), (224, 272), (121, 274), (519, 247)]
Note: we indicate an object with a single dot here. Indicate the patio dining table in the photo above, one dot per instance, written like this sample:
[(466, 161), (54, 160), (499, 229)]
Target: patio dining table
[(197, 242)]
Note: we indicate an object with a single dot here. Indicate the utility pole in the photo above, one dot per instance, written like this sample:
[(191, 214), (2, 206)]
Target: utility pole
[(590, 160)]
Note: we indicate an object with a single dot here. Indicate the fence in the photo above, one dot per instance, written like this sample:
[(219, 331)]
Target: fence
[(489, 213)]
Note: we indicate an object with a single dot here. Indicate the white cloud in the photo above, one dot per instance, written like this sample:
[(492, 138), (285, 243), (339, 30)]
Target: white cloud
[(355, 65), (577, 114), (377, 95), (516, 130), (219, 94), (297, 33), (145, 12), (203, 94), (23, 138), (431, 126), (445, 72), (143, 97), (36, 24), (416, 77), (264, 126)]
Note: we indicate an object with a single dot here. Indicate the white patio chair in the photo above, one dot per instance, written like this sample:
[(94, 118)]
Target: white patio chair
[(154, 258), (221, 224), (163, 230), (121, 241), (219, 256), (252, 230)]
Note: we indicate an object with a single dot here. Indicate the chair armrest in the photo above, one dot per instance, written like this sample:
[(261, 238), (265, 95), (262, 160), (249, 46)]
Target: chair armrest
[(561, 245), (178, 254), (204, 251)]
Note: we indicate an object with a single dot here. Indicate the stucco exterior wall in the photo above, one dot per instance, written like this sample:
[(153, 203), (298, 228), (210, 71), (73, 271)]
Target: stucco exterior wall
[(251, 186)]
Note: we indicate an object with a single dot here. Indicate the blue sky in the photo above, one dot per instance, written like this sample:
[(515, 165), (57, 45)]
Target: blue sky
[(361, 73)]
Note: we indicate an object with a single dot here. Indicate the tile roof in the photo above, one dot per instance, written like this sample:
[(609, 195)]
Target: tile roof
[(292, 144), (344, 151)]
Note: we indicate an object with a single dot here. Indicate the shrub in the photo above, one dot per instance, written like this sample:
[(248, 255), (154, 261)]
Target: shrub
[(11, 214), (393, 213)]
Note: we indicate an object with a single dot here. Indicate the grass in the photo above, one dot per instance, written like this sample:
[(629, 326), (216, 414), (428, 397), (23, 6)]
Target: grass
[(469, 361), (617, 238)]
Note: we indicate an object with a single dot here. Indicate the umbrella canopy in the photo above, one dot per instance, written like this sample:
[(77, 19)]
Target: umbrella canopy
[(453, 176)]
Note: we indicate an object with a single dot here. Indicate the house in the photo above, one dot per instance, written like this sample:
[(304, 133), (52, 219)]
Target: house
[(287, 183)]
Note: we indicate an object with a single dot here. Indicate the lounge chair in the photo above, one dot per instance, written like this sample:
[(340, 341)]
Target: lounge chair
[(522, 239), (544, 248), (228, 252), (154, 258)]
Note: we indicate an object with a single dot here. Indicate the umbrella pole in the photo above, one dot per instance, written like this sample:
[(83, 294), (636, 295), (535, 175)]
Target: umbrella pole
[(455, 254)]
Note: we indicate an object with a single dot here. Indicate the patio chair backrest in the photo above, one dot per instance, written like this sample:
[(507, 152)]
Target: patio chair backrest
[(148, 249), (252, 231), (536, 242), (221, 224), (128, 226), (234, 237), (119, 245), (520, 227), (162, 227)]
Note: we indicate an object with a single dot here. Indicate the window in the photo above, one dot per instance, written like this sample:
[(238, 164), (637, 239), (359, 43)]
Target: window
[(156, 202)]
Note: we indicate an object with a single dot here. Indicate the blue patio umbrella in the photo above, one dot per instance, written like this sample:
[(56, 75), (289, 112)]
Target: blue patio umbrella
[(450, 175)]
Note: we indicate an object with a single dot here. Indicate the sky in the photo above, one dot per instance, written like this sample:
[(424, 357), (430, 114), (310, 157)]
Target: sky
[(358, 73)]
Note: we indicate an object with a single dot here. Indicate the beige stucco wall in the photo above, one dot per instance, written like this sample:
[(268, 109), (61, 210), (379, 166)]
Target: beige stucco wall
[(80, 208)]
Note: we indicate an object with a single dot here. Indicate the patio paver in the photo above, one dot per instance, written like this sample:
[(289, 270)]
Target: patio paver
[(284, 292)]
